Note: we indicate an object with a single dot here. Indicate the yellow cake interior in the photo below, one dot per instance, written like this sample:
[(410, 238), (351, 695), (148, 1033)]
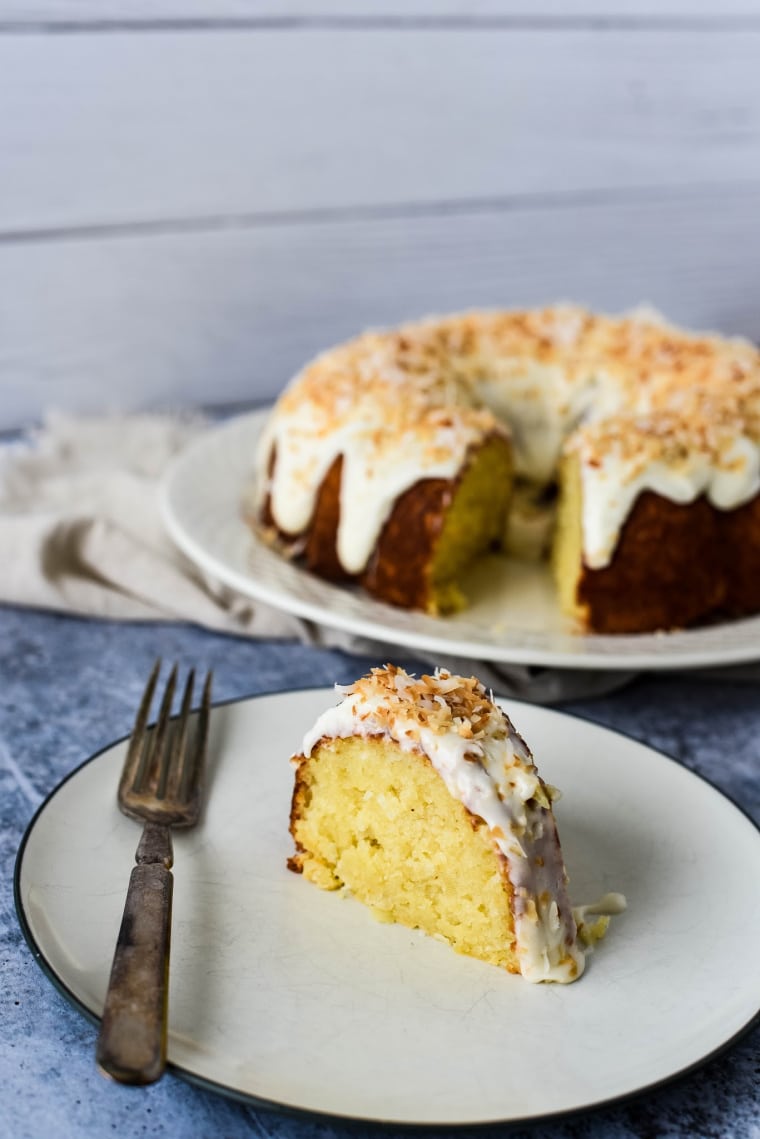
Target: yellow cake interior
[(474, 523), (380, 821), (567, 545)]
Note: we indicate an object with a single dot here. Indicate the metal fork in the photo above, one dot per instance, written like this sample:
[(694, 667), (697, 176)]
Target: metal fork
[(160, 786)]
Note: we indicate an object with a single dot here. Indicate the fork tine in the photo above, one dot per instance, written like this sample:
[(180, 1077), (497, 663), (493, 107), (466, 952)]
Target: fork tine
[(179, 739), (192, 770), (159, 761), (137, 740)]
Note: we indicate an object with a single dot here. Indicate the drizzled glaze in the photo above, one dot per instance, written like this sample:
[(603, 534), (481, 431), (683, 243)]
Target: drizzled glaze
[(486, 765), (644, 406)]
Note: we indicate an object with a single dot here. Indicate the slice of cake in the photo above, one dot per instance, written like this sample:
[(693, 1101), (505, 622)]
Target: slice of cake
[(420, 798)]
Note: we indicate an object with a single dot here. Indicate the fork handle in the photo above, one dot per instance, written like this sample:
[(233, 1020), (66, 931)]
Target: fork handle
[(131, 1046)]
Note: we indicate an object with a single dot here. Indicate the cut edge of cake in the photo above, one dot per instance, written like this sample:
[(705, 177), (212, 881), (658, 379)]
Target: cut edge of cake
[(431, 811)]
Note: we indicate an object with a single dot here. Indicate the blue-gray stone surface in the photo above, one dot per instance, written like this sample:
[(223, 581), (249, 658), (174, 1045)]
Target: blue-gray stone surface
[(69, 686)]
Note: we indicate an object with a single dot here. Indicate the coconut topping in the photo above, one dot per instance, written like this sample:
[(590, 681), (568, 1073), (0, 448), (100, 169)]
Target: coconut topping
[(631, 395), (488, 767), (440, 703)]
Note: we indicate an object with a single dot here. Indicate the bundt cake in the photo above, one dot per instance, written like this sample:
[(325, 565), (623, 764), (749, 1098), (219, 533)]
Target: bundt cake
[(419, 797), (392, 461)]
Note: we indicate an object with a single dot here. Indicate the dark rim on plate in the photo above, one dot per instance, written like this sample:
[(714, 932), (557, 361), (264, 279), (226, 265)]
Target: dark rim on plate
[(311, 1113)]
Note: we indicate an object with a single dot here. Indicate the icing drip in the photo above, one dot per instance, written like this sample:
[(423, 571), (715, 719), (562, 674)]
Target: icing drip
[(637, 398), (390, 436), (487, 766), (613, 477)]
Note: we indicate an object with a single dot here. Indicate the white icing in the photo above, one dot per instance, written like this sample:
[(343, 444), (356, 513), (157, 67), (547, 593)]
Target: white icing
[(302, 464), (378, 473), (383, 477), (590, 932), (541, 402), (495, 780), (607, 906), (540, 407), (612, 484)]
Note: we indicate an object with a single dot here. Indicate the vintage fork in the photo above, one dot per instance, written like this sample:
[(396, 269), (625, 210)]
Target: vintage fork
[(160, 786)]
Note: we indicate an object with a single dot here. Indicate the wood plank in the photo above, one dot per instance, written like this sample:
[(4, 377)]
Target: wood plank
[(65, 11), (231, 314), (126, 128)]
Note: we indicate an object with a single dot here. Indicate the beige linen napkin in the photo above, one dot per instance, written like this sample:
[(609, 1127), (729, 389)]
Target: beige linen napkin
[(81, 532)]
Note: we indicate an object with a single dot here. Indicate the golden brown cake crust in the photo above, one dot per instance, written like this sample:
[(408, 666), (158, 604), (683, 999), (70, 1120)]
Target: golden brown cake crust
[(658, 408), (321, 552), (297, 806), (739, 538), (398, 568), (676, 564), (398, 571)]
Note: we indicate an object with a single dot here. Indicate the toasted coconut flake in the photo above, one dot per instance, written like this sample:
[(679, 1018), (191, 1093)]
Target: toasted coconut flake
[(440, 703)]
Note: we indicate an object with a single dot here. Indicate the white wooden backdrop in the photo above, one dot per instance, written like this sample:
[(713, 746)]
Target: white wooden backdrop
[(196, 196)]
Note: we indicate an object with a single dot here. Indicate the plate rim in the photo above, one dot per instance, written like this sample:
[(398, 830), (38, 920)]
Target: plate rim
[(258, 1102), (653, 654)]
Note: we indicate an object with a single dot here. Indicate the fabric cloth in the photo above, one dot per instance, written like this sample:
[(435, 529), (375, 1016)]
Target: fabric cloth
[(81, 532)]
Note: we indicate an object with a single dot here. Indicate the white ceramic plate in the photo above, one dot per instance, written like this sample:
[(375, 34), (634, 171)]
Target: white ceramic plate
[(514, 615), (285, 994)]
